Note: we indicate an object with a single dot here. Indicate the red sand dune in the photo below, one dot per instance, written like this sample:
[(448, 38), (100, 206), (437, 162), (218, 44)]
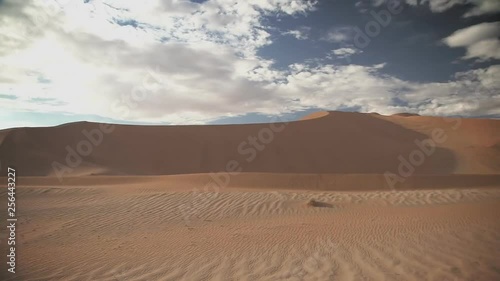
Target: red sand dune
[(322, 143)]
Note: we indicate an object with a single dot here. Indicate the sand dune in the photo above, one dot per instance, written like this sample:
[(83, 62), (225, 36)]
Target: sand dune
[(327, 142)]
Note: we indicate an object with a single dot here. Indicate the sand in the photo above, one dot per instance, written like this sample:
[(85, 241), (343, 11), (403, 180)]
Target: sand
[(152, 232), (313, 203)]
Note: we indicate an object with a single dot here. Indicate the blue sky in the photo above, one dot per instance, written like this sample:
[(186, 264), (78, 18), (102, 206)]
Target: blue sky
[(219, 61)]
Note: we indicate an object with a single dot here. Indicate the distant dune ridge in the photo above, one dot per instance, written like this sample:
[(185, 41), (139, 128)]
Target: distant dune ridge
[(321, 143)]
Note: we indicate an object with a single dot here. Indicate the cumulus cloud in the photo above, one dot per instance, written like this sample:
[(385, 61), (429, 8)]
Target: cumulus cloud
[(364, 88), (438, 6), (202, 57), (479, 7), (483, 7), (481, 41), (471, 93)]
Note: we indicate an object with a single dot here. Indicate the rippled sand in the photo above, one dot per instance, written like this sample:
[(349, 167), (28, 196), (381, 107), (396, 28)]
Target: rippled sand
[(138, 232)]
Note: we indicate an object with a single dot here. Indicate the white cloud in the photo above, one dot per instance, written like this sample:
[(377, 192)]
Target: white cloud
[(204, 55), (481, 40), (484, 50), (346, 52), (300, 34), (472, 93), (483, 7), (339, 34), (480, 7), (442, 5), (470, 35)]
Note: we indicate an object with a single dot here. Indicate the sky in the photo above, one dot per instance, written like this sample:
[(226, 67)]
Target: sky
[(177, 62)]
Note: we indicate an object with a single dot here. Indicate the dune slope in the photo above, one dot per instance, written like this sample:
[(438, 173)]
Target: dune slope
[(331, 142)]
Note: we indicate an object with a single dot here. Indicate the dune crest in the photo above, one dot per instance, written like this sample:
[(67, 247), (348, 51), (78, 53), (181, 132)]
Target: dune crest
[(315, 115)]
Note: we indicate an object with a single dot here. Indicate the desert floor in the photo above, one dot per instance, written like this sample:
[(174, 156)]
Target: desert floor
[(151, 232)]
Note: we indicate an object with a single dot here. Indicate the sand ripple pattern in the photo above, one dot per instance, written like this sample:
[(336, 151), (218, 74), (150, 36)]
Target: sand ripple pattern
[(107, 234)]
